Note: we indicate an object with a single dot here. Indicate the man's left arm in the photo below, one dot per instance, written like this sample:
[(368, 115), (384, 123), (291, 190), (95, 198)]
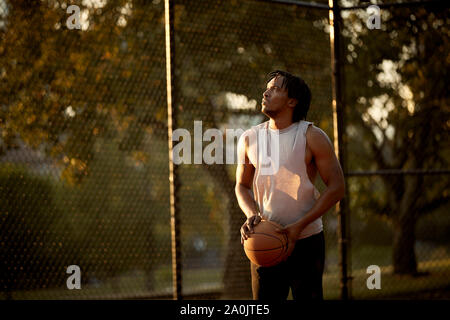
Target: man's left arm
[(331, 173)]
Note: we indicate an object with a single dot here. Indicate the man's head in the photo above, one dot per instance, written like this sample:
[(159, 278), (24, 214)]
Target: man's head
[(286, 93)]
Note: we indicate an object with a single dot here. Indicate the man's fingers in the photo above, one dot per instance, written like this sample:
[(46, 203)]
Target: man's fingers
[(247, 227), (253, 221), (250, 223), (244, 232), (243, 237)]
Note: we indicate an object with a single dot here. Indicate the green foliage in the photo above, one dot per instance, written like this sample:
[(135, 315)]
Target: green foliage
[(397, 118), (94, 100), (31, 253), (409, 129), (113, 214)]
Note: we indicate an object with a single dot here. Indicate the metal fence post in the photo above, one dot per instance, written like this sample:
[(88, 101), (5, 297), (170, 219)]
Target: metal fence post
[(171, 124), (339, 143)]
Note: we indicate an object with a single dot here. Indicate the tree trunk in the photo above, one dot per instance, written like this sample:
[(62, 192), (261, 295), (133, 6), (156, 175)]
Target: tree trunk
[(405, 205), (404, 257)]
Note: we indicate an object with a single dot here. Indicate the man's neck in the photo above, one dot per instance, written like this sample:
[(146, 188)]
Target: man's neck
[(280, 123)]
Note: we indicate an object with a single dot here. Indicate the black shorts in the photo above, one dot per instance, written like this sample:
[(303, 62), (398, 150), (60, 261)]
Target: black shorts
[(302, 272)]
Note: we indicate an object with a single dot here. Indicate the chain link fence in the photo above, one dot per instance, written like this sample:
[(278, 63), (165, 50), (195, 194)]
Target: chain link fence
[(398, 134), (84, 178)]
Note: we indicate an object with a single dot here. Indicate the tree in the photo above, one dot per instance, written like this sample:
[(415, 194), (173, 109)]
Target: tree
[(397, 101), (31, 255), (63, 95), (230, 47), (78, 88)]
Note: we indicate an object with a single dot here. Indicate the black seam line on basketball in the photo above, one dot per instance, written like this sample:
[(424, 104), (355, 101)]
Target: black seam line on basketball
[(283, 246), (287, 242), (274, 259), (264, 249), (267, 234)]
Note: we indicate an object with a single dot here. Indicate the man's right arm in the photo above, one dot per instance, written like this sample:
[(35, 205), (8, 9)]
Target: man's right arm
[(244, 178), (244, 194)]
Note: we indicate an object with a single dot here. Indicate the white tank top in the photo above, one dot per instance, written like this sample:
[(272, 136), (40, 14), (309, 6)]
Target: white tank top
[(285, 194)]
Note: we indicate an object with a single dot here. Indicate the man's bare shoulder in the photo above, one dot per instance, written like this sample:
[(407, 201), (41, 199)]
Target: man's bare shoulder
[(248, 137), (317, 139), (246, 141)]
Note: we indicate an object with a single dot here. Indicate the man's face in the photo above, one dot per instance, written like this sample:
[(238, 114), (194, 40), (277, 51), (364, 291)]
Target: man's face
[(275, 98)]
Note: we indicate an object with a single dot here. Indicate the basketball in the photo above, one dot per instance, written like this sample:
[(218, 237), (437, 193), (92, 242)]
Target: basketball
[(266, 247)]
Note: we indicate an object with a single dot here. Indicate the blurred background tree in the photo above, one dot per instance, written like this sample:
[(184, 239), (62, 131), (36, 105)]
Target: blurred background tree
[(397, 109), (31, 257), (63, 93), (94, 101)]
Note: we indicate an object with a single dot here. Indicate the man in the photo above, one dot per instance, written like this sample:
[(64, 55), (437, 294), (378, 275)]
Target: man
[(287, 195)]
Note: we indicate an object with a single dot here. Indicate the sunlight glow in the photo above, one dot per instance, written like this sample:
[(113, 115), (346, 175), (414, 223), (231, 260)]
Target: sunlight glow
[(239, 102)]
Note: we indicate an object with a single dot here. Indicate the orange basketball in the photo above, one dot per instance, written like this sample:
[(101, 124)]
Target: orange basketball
[(266, 247)]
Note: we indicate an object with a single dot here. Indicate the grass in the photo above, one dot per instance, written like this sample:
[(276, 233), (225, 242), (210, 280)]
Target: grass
[(132, 285), (436, 275)]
